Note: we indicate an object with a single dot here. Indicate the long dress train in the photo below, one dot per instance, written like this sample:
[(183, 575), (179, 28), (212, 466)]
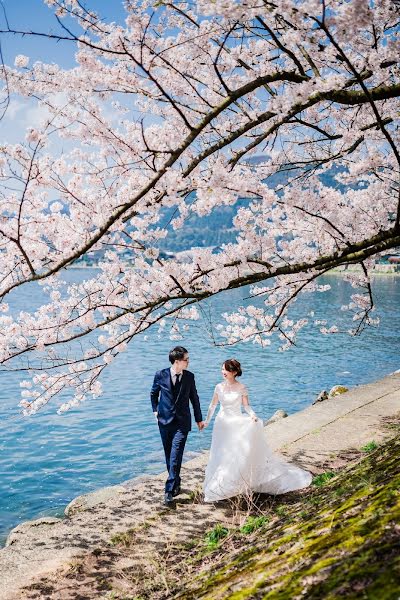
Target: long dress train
[(240, 458)]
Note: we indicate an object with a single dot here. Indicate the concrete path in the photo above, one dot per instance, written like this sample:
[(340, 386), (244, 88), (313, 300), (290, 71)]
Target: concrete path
[(311, 438)]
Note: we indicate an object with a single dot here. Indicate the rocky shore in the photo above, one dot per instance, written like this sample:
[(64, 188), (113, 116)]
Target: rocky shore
[(40, 555)]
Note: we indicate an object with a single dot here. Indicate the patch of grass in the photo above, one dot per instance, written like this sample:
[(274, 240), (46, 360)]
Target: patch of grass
[(253, 523), (281, 510), (314, 501), (323, 478), (394, 426), (76, 566), (124, 538), (213, 537), (195, 495), (392, 423), (117, 596), (190, 544), (303, 514), (370, 447)]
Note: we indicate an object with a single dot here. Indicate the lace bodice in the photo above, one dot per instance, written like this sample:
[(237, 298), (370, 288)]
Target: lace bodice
[(230, 399)]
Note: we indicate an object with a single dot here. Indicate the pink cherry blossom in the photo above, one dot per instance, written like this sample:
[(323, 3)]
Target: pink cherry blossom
[(182, 113), (21, 61)]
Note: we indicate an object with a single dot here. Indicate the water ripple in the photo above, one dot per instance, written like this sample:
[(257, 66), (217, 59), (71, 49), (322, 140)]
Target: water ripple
[(47, 460)]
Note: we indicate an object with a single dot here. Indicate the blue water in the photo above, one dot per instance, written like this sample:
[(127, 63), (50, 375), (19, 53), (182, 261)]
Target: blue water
[(46, 460)]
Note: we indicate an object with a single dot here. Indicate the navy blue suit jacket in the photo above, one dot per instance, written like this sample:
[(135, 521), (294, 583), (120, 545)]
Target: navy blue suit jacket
[(168, 409)]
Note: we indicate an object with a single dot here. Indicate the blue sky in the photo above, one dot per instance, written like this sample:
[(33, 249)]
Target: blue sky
[(37, 16)]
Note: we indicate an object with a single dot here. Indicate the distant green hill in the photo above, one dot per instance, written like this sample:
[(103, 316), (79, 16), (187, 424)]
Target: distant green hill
[(217, 228)]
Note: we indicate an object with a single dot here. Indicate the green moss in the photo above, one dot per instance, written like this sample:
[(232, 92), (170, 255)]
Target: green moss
[(340, 541)]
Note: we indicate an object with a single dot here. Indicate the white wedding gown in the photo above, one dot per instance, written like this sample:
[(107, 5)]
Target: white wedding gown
[(240, 459)]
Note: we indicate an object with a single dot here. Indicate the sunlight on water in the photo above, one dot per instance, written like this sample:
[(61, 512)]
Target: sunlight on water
[(47, 460)]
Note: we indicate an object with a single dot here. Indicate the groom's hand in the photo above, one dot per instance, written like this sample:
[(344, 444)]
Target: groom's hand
[(156, 414), (200, 425)]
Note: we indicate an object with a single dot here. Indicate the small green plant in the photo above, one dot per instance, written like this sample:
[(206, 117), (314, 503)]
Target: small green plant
[(281, 511), (323, 478), (215, 535), (370, 447), (314, 501), (253, 523), (303, 514)]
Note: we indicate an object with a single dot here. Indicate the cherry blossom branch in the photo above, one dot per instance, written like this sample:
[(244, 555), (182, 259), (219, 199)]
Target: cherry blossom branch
[(159, 123)]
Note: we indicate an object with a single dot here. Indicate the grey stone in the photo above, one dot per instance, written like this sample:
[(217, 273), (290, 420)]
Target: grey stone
[(277, 416), (321, 397)]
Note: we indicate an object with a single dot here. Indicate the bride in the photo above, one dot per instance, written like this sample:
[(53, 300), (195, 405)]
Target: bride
[(240, 459)]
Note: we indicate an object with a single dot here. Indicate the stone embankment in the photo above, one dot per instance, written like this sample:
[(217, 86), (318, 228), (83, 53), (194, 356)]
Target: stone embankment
[(314, 438)]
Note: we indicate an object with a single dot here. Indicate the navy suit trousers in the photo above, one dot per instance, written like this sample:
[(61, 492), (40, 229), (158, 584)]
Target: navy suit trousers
[(174, 440)]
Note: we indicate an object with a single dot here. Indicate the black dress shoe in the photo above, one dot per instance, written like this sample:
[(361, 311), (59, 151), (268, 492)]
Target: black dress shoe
[(176, 491), (168, 500)]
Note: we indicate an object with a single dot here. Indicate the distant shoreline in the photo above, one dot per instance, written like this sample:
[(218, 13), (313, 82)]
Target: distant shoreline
[(335, 271), (355, 269)]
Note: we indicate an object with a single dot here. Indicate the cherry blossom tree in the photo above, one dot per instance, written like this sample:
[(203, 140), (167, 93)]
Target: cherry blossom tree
[(163, 116)]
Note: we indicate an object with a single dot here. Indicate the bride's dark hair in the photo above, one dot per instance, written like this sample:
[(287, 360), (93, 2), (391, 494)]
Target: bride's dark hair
[(233, 366)]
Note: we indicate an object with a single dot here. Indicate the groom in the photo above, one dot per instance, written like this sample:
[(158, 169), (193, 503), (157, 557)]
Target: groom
[(170, 394)]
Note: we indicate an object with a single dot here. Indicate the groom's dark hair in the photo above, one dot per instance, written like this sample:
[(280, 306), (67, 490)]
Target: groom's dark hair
[(177, 353)]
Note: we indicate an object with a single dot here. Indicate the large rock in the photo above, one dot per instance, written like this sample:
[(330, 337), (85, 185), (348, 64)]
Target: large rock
[(277, 416), (88, 501), (337, 390), (26, 529)]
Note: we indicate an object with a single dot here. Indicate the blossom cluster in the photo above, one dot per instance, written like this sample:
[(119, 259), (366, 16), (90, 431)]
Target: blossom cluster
[(179, 111)]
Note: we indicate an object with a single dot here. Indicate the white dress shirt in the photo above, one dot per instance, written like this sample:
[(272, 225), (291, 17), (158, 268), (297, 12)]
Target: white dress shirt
[(174, 375)]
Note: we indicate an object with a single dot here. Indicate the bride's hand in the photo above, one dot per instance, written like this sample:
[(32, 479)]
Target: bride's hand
[(255, 419)]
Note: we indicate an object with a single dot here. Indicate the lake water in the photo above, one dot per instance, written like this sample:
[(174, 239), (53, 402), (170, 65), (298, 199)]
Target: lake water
[(46, 460)]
